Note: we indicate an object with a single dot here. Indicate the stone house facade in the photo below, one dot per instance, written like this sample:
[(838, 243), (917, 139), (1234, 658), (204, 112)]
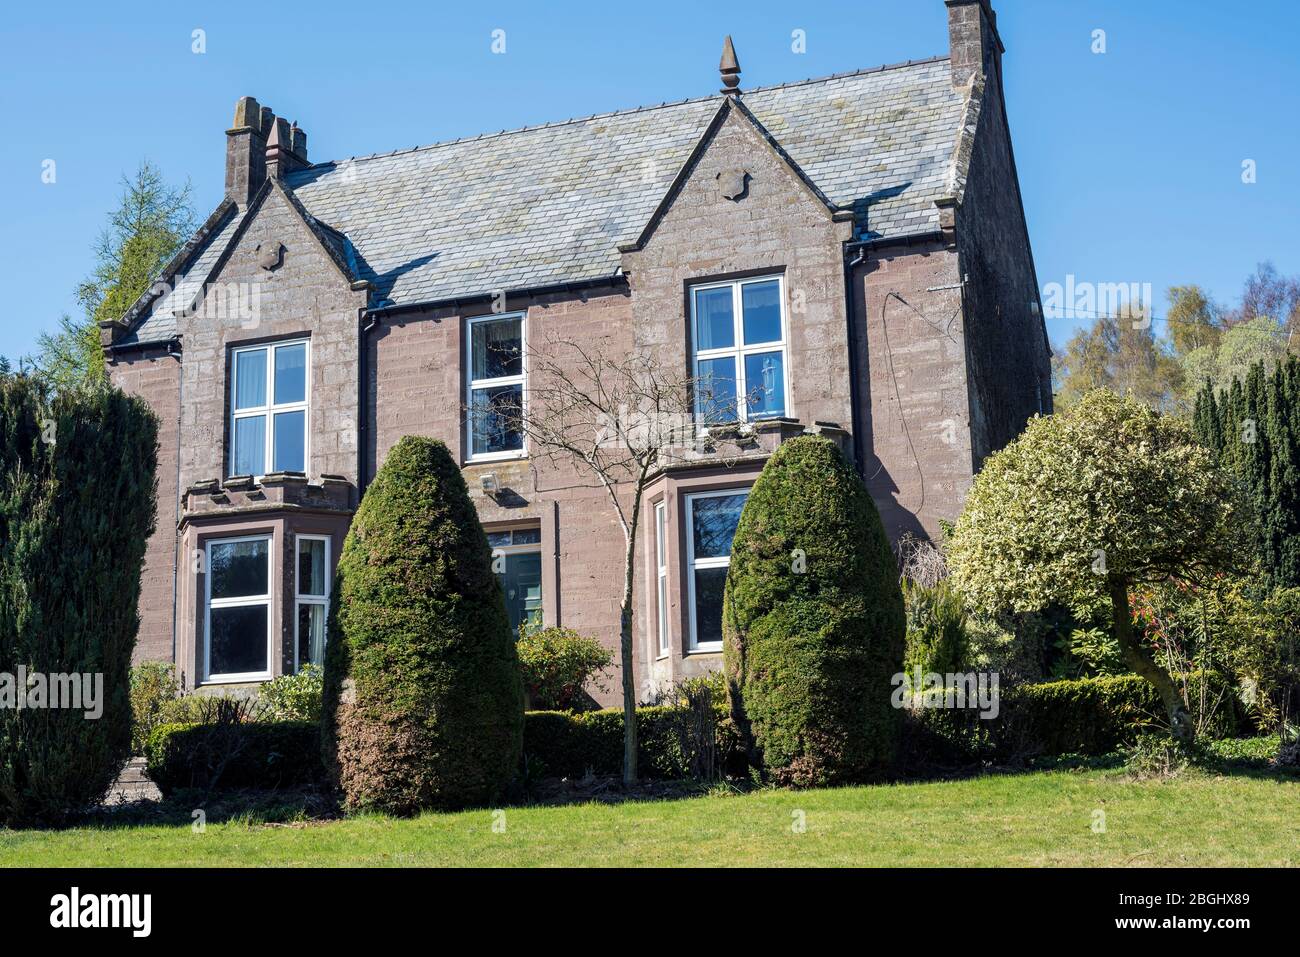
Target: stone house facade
[(847, 255)]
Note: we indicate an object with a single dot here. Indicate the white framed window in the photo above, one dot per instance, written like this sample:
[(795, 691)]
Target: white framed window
[(237, 609), (711, 519), (738, 343), (495, 384), (269, 408), (312, 600), (517, 561), (661, 565)]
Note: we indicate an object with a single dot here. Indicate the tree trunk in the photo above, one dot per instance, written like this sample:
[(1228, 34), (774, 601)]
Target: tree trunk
[(1144, 664), (629, 679)]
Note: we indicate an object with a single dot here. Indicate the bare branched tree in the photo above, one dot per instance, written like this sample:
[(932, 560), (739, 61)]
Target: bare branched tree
[(618, 418)]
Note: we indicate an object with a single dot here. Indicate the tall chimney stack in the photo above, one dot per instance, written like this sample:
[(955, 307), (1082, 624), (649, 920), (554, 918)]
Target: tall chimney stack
[(975, 47), (246, 150)]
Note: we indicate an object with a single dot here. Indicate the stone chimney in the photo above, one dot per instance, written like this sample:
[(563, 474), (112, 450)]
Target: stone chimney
[(286, 148), (246, 150), (976, 49)]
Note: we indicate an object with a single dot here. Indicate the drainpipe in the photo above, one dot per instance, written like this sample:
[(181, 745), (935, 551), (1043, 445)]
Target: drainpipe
[(366, 323), (851, 262), (173, 352)]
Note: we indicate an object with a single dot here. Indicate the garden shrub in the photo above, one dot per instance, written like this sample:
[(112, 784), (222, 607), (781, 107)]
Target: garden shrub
[(202, 708), (936, 629), (1158, 756), (1014, 644), (212, 756), (813, 621), (76, 511), (557, 663), (1078, 512), (423, 702), (293, 697), (153, 688)]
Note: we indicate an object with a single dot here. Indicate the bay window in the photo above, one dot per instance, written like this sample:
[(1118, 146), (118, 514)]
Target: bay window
[(312, 591), (269, 409), (661, 569), (495, 400), (738, 349), (711, 519), (237, 609)]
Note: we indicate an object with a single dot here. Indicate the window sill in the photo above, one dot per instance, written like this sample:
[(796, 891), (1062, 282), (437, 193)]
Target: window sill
[(234, 680), (490, 457), (693, 652)]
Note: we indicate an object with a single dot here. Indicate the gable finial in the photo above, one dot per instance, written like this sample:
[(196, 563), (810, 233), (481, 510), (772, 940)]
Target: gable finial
[(729, 67)]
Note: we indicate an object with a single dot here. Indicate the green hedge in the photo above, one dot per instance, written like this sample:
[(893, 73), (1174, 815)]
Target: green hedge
[(1088, 716), (1085, 716), (564, 744), (251, 755), (269, 755)]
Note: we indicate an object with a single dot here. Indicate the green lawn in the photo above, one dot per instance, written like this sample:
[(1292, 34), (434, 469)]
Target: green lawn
[(1031, 819)]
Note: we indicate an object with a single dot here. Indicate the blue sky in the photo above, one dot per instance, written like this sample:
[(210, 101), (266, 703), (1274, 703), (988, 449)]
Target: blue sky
[(1130, 161)]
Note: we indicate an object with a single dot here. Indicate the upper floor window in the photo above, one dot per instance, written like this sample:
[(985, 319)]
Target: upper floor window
[(738, 349), (269, 402), (495, 360), (517, 560), (711, 520)]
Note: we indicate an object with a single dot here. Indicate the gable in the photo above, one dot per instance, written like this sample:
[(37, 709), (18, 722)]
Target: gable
[(734, 160), (277, 241)]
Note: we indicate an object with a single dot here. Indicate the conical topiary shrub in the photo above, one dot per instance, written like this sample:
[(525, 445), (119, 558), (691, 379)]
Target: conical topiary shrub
[(813, 621), (76, 511), (423, 703)]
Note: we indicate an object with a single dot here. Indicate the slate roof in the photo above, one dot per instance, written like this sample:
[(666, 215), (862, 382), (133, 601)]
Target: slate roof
[(550, 204), (158, 322)]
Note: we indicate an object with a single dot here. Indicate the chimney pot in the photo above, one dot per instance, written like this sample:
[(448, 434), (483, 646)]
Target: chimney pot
[(281, 157), (299, 140), (248, 114)]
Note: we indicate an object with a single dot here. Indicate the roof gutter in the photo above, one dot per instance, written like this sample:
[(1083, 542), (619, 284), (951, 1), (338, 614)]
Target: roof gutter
[(393, 309), (171, 344), (905, 239)]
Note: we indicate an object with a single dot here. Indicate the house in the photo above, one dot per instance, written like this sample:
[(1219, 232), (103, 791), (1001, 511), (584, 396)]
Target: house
[(850, 253)]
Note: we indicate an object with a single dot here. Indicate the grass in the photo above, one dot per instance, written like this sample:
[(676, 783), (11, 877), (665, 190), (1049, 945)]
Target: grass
[(1037, 819)]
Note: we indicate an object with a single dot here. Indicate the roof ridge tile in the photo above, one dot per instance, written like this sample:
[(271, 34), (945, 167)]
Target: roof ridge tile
[(571, 121)]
